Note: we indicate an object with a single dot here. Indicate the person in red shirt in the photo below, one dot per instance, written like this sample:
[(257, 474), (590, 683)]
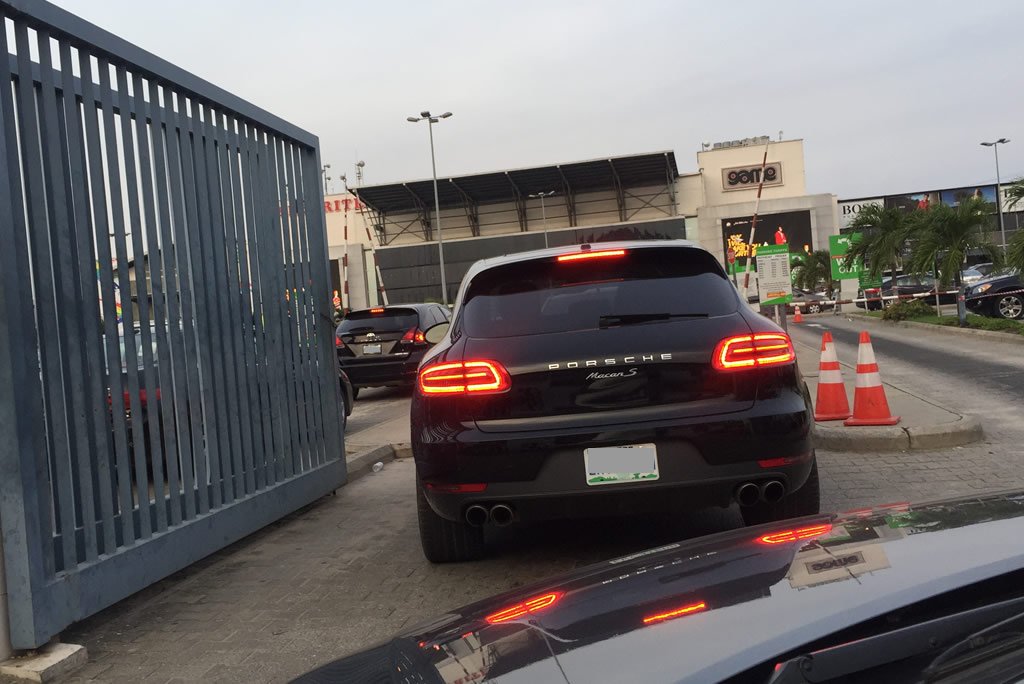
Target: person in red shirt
[(780, 237)]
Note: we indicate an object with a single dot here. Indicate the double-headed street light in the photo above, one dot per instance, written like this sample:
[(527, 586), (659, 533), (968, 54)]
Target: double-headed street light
[(431, 120), (543, 213), (999, 195)]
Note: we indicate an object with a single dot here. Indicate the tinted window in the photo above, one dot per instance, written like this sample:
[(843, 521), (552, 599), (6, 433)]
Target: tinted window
[(390, 320), (544, 296)]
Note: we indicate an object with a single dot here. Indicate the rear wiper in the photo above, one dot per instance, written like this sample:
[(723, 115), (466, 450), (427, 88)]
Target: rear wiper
[(614, 320)]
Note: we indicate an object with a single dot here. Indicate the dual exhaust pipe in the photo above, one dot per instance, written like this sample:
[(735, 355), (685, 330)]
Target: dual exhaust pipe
[(750, 493), (499, 514)]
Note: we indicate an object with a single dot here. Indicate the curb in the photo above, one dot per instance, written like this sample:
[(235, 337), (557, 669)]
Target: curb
[(48, 664), (966, 430), (361, 463), (993, 334)]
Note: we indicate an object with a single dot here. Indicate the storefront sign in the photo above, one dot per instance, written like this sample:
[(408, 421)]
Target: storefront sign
[(745, 142), (337, 205), (848, 211), (746, 177), (774, 284), (790, 227)]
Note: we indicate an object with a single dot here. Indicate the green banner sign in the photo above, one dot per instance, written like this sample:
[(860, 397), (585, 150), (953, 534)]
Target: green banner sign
[(838, 248)]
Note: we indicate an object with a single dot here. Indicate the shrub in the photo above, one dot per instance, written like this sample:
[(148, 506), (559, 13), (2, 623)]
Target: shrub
[(911, 308)]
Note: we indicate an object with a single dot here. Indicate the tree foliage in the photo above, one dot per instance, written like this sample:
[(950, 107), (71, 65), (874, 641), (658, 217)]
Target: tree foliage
[(814, 270), (945, 235), (884, 233)]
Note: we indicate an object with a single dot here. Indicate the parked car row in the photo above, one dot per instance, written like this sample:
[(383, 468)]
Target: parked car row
[(998, 295)]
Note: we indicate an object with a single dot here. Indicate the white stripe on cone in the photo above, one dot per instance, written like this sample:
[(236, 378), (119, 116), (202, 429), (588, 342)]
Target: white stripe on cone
[(868, 380), (828, 377), (865, 354), (829, 355)]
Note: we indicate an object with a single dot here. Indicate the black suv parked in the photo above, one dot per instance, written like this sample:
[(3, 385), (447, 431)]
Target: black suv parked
[(383, 346), (998, 295), (606, 379)]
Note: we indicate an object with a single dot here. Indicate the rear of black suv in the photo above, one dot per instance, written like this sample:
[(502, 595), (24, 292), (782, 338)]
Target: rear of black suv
[(611, 379)]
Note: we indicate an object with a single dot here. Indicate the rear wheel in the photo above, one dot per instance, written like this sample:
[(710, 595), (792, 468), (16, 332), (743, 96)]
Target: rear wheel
[(814, 308), (1010, 306), (355, 393), (443, 540), (804, 501)]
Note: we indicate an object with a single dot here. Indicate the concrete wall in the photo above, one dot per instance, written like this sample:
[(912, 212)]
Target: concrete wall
[(5, 627), (790, 153)]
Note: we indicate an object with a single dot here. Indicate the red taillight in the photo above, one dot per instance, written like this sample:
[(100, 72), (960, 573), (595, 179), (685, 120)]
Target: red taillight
[(338, 342), (461, 488), (678, 612), (796, 534), (377, 310), (414, 336), (753, 351), (533, 605), (464, 377), (780, 462), (601, 254)]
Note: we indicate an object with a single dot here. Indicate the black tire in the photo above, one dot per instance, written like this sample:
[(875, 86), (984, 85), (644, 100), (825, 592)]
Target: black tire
[(804, 501), (1010, 306), (445, 541), (355, 393)]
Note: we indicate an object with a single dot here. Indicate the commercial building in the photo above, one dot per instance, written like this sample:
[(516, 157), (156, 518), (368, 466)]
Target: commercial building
[(640, 196)]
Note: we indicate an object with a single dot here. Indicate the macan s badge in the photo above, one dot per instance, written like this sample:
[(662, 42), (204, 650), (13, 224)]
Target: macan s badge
[(594, 363), (596, 375)]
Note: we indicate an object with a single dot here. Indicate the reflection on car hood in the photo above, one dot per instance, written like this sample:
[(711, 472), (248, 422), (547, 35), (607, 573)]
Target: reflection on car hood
[(1010, 275), (705, 609)]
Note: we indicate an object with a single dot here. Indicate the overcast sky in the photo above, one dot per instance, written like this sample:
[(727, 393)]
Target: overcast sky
[(889, 97)]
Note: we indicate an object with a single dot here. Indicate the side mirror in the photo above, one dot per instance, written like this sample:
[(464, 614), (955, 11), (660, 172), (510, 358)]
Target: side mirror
[(435, 334)]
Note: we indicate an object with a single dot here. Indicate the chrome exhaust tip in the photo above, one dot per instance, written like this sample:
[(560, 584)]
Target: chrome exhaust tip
[(502, 515), (476, 515), (748, 494), (772, 491)]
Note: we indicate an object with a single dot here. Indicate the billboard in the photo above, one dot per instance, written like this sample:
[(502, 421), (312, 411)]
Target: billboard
[(917, 200), (849, 210), (790, 227), (953, 197)]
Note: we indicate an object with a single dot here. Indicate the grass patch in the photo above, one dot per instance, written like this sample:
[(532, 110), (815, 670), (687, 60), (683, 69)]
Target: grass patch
[(974, 322)]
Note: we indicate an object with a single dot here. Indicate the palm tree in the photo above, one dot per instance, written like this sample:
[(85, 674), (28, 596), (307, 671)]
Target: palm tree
[(945, 235), (813, 269), (884, 234), (1015, 247)]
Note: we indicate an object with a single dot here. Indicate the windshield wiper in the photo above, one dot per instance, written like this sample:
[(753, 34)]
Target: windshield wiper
[(615, 320), (981, 646), (947, 632)]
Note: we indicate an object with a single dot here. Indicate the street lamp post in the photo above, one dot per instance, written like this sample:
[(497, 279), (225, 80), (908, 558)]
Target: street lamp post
[(999, 195), (543, 213), (431, 120), (323, 171)]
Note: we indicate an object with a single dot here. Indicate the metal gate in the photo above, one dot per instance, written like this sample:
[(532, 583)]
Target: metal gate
[(168, 381)]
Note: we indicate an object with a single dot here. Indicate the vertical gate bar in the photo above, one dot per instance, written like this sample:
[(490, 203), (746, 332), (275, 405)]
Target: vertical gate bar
[(182, 182), (252, 194), (210, 331), (248, 393), (22, 449), (287, 358), (292, 247), (152, 447), (220, 290), (294, 462), (42, 271), (72, 427), (92, 338), (145, 130), (332, 407), (311, 320), (98, 185), (131, 352), (272, 273), (234, 369)]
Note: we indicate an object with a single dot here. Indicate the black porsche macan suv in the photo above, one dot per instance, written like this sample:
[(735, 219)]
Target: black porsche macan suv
[(605, 379)]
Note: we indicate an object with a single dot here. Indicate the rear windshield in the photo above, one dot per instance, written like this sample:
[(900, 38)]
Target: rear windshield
[(390, 320), (545, 296)]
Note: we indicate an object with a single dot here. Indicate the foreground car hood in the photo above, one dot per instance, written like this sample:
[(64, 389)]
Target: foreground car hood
[(706, 609)]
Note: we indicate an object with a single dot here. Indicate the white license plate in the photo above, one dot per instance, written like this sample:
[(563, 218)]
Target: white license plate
[(371, 349), (619, 464)]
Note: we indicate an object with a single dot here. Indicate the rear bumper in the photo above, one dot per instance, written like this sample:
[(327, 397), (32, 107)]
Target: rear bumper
[(541, 475), (381, 372)]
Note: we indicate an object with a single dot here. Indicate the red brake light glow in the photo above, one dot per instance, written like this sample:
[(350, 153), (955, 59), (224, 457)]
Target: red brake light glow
[(753, 351), (338, 342), (465, 377), (377, 310), (533, 605), (462, 488), (414, 335), (601, 254), (796, 534), (688, 609)]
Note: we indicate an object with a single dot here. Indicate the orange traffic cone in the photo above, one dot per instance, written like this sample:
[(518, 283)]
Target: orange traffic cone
[(831, 403), (798, 317), (870, 407)]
